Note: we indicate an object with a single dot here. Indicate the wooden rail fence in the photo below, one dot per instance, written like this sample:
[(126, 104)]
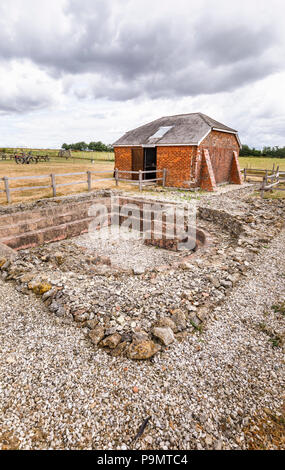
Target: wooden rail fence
[(89, 180), (273, 182), (256, 173)]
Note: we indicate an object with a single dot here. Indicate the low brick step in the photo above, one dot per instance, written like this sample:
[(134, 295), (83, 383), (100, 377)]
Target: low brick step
[(41, 223), (35, 214), (47, 235)]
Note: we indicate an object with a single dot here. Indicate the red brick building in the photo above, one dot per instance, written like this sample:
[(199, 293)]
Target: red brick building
[(196, 151)]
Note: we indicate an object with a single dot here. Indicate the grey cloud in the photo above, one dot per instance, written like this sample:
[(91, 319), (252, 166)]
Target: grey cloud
[(157, 58), (23, 104), (230, 44)]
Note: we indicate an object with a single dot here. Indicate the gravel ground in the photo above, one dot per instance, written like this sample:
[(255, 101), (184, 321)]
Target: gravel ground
[(123, 250), (59, 393)]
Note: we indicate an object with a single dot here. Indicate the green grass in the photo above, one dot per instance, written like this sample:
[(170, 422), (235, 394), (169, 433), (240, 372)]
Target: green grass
[(274, 195), (262, 163), (103, 156), (98, 156), (274, 338), (279, 308)]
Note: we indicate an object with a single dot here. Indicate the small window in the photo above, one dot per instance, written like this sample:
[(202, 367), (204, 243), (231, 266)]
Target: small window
[(161, 132)]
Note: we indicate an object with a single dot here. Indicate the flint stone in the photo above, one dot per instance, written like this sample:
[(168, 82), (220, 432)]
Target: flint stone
[(119, 350), (97, 335), (139, 336), (164, 334), (226, 284), (60, 311), (166, 321), (91, 324), (138, 270), (179, 319), (54, 306), (47, 294), (142, 350), (185, 265), (202, 314), (111, 341), (214, 281)]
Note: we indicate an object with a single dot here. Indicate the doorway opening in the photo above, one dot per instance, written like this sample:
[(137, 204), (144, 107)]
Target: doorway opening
[(150, 162)]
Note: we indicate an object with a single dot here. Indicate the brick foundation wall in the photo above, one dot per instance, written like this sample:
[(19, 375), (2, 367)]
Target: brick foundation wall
[(177, 160), (221, 146)]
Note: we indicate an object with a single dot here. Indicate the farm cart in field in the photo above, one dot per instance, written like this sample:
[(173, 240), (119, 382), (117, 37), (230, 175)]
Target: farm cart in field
[(22, 158)]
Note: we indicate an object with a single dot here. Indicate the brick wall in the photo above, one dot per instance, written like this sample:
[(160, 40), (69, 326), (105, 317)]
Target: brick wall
[(123, 159), (177, 160), (221, 146)]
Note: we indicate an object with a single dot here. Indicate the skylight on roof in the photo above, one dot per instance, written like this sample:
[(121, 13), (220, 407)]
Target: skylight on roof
[(161, 132)]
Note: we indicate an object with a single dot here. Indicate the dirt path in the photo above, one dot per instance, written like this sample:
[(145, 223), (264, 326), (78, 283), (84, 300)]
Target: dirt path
[(57, 392)]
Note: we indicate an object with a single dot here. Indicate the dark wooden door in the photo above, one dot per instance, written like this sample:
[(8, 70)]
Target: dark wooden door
[(150, 162), (137, 161)]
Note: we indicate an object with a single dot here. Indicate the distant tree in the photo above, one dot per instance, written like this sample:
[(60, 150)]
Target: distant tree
[(244, 151), (93, 146), (276, 151), (79, 146), (110, 148), (97, 146), (66, 146)]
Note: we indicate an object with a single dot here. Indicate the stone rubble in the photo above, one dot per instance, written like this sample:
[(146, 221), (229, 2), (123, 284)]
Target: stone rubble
[(59, 392), (74, 280)]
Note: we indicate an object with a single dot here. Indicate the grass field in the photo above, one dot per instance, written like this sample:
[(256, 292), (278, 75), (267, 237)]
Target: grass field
[(11, 169), (102, 162), (263, 163), (104, 156)]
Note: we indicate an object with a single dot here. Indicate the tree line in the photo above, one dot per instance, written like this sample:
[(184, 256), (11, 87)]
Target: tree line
[(272, 152), (92, 146)]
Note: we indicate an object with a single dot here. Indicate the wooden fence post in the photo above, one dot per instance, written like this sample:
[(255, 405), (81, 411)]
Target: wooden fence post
[(264, 183), (262, 187), (140, 180), (89, 180), (117, 176), (7, 189), (164, 177), (277, 175), (53, 185), (244, 174)]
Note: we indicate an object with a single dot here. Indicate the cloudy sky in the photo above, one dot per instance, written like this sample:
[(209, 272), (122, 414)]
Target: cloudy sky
[(74, 70)]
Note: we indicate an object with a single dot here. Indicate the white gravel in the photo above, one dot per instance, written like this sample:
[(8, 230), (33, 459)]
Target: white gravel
[(126, 249), (58, 393)]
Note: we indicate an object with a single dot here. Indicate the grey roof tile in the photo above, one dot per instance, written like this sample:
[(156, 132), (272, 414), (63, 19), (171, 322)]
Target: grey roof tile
[(186, 129)]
